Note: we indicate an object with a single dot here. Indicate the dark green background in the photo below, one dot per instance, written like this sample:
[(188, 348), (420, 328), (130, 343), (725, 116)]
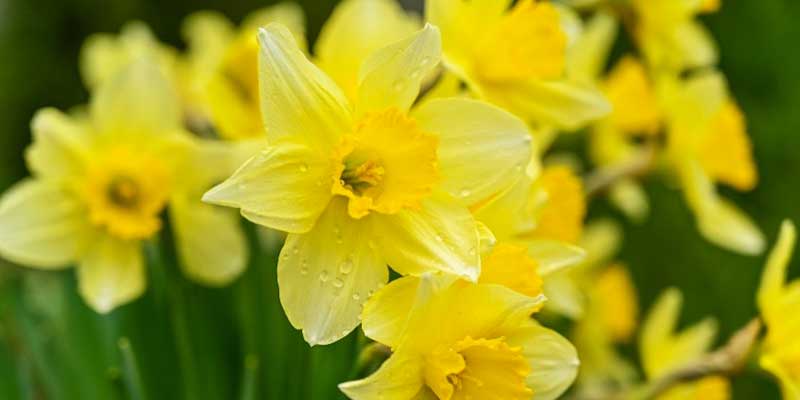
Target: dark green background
[(51, 346)]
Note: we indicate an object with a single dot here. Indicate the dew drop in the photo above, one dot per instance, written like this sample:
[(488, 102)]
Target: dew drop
[(464, 193), (295, 250), (415, 74), (424, 61), (303, 270), (399, 84), (346, 266), (323, 276), (338, 283), (356, 296), (303, 167), (439, 239)]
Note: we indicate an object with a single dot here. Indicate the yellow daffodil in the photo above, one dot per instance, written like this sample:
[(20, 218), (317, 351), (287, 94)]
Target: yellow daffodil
[(100, 184), (708, 144), (670, 37), (778, 300), (515, 58), (222, 66), (103, 56), (355, 30), (364, 185), (543, 214), (462, 340), (663, 350)]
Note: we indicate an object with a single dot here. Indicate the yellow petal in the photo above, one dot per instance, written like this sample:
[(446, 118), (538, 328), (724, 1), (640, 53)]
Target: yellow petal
[(587, 57), (773, 278), (59, 145), (139, 100), (210, 242), (564, 296), (290, 14), (207, 34), (111, 273), (386, 313), (470, 130), (552, 255), (356, 29), (327, 274), (629, 196), (439, 236), (510, 266), (42, 225), (719, 221), (399, 378), (553, 359), (284, 187), (563, 104), (391, 76), (297, 99), (463, 23)]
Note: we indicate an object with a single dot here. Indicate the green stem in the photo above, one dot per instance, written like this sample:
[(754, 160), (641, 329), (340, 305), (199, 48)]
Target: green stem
[(249, 376), (130, 370)]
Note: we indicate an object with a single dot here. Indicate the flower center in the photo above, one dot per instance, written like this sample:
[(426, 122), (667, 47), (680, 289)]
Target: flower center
[(487, 369), (125, 191), (528, 42), (726, 152), (385, 165)]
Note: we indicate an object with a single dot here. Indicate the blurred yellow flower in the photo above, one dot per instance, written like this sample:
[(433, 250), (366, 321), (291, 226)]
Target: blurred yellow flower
[(373, 184), (669, 35), (778, 301), (462, 340), (515, 58), (221, 66), (663, 350), (100, 184), (707, 143)]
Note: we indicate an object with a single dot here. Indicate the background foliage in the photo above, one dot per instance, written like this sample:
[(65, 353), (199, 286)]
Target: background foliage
[(235, 342)]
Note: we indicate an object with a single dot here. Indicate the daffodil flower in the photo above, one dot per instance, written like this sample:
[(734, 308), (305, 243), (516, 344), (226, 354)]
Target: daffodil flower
[(361, 186), (708, 144), (669, 35), (221, 66), (663, 350), (100, 184), (515, 58), (778, 300), (462, 340)]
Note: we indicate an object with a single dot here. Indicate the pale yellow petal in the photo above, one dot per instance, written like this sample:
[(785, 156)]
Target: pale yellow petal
[(386, 313), (284, 187), (103, 55), (439, 236), (553, 359), (355, 30), (657, 328), (41, 225), (111, 273), (399, 378), (587, 57), (289, 14), (211, 245), (139, 100), (773, 278), (208, 35), (562, 104), (629, 196), (553, 256), (327, 274), (564, 296), (60, 145), (470, 130), (392, 76), (297, 99)]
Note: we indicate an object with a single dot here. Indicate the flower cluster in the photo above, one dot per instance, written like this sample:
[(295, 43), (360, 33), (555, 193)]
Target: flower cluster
[(415, 148)]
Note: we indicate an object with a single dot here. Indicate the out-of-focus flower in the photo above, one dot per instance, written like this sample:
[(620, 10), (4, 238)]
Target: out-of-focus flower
[(462, 340), (100, 184), (355, 30), (515, 58), (221, 68), (361, 186), (544, 215), (708, 144), (778, 301), (670, 36), (663, 350)]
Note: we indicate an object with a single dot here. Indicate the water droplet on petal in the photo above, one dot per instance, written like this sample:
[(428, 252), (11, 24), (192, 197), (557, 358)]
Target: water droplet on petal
[(323, 276), (346, 266), (338, 283), (465, 193), (424, 61), (399, 84), (356, 296), (303, 167)]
